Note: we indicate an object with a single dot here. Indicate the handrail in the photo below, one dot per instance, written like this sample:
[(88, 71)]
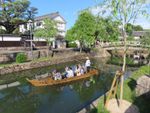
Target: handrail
[(121, 43)]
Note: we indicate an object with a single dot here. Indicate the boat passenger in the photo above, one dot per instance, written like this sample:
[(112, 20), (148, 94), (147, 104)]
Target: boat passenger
[(53, 74), (65, 73), (82, 70), (70, 73), (87, 64), (78, 70), (58, 76)]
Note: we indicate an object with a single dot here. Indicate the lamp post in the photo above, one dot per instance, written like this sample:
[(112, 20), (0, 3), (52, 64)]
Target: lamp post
[(30, 34)]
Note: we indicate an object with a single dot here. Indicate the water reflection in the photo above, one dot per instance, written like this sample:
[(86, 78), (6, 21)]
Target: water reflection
[(56, 99)]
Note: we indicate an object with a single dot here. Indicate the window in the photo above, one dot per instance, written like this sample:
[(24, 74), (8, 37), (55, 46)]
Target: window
[(38, 23)]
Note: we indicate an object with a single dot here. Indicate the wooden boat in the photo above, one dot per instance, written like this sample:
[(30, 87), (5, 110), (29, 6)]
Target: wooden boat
[(49, 81)]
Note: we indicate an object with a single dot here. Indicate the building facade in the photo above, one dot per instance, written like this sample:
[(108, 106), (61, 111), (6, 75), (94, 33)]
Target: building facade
[(58, 41)]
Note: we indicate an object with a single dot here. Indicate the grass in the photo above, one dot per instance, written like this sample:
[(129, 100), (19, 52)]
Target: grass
[(8, 64), (34, 60), (129, 93), (119, 61)]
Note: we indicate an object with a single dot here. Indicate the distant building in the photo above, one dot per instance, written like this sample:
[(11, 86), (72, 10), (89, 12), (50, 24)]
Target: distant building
[(58, 41), (138, 34)]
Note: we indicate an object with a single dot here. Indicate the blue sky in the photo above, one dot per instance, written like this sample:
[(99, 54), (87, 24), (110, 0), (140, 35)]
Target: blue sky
[(69, 9)]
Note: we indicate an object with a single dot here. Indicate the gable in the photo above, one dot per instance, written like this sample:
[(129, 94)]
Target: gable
[(59, 19)]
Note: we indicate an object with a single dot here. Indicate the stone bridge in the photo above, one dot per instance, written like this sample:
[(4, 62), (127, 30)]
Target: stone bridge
[(135, 45), (133, 48)]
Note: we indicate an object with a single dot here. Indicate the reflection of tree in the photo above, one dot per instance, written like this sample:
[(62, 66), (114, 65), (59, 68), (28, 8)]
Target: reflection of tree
[(88, 88), (85, 89), (15, 101)]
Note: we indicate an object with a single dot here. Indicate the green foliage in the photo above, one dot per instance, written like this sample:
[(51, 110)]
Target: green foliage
[(138, 28), (16, 31), (83, 30), (130, 28), (2, 31), (146, 39), (119, 61), (130, 38), (48, 32), (88, 28), (15, 12), (72, 45), (106, 29), (101, 108), (129, 92), (21, 57)]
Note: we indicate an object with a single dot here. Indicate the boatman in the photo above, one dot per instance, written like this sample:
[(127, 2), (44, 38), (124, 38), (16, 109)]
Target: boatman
[(87, 64)]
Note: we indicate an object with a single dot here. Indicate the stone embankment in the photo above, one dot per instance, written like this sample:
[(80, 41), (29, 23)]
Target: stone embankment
[(143, 86), (59, 57), (32, 65)]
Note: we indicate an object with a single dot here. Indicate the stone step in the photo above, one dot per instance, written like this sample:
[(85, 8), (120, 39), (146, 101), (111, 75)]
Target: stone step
[(4, 86)]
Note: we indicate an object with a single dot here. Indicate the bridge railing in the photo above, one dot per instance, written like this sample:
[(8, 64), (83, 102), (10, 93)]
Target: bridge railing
[(121, 43)]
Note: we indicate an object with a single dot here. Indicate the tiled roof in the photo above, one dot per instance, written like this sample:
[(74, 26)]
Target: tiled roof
[(51, 16), (138, 33)]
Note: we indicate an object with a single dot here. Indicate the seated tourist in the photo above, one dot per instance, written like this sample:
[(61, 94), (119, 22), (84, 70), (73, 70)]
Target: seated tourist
[(66, 72), (78, 70), (70, 73), (53, 74), (74, 68), (58, 76), (82, 70)]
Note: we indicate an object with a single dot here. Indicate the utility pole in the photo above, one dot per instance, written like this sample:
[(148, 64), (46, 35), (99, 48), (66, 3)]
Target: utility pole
[(30, 34)]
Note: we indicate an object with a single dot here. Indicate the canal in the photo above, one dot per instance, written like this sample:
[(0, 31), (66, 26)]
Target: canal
[(56, 99)]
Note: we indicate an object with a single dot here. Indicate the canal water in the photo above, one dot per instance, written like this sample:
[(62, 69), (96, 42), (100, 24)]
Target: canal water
[(56, 99)]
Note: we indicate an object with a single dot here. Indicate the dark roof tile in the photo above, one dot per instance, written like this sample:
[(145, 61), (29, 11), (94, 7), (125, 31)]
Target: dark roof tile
[(51, 16)]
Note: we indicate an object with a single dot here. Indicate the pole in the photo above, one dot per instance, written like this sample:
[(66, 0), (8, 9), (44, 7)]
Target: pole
[(31, 41)]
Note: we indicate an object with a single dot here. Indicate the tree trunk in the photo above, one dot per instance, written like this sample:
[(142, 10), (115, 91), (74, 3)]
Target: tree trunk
[(81, 47), (124, 62), (48, 46)]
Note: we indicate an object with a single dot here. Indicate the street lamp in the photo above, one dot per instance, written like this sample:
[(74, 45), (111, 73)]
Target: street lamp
[(30, 34)]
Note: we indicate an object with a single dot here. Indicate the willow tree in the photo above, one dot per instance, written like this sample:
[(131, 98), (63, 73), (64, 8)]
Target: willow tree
[(83, 30), (48, 32), (125, 11)]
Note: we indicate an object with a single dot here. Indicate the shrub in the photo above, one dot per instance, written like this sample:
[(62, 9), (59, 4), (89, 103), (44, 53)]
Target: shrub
[(72, 45), (21, 57), (2, 31)]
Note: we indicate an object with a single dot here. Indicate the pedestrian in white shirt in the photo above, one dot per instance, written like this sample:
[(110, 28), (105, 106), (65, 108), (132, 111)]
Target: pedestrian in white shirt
[(87, 64)]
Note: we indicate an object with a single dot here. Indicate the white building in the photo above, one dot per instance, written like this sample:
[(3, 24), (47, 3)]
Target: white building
[(60, 24)]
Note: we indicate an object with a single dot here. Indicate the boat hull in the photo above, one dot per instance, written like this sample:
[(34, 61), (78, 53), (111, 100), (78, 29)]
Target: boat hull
[(49, 81)]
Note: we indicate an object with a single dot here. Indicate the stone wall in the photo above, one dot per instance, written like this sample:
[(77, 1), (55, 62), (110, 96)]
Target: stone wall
[(32, 65), (60, 56), (143, 85), (10, 56)]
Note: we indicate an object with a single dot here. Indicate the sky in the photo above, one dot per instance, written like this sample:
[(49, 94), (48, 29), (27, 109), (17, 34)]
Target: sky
[(69, 9)]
